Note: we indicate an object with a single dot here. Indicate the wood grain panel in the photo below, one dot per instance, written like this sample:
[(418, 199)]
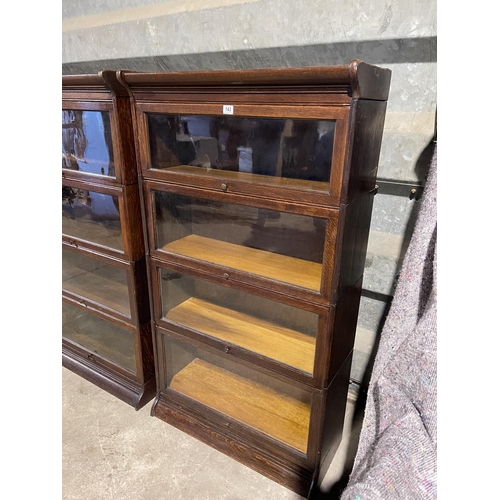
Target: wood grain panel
[(263, 337), (263, 110), (224, 175), (268, 411), (315, 75), (270, 265)]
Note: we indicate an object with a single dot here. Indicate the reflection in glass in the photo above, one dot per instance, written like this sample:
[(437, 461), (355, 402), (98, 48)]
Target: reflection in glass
[(282, 148), (96, 280), (270, 406), (91, 216), (86, 142), (99, 336), (278, 245), (272, 329)]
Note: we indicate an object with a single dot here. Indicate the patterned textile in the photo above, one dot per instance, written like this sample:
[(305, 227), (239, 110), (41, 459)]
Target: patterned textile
[(397, 452)]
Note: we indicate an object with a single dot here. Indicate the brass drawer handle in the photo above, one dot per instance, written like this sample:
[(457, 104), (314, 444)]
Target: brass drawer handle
[(223, 186), (226, 276)]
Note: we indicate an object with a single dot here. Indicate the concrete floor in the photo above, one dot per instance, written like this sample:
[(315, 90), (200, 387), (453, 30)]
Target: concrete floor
[(111, 451)]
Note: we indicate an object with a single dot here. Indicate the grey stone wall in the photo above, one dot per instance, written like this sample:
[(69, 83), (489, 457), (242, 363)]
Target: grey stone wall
[(175, 35)]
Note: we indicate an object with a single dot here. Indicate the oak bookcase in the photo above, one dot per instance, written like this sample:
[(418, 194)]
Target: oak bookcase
[(106, 327), (256, 194)]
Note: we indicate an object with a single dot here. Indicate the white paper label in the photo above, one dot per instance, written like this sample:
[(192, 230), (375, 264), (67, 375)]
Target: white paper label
[(227, 109)]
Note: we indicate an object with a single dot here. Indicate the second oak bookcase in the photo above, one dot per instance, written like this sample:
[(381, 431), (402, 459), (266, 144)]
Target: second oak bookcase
[(106, 323), (257, 191)]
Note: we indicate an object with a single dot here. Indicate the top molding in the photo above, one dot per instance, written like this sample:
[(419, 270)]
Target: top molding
[(359, 79), (105, 81)]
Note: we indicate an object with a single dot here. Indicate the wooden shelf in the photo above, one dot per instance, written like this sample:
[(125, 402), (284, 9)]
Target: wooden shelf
[(108, 287), (89, 161), (273, 341), (99, 336), (231, 175), (106, 234), (260, 407), (270, 265)]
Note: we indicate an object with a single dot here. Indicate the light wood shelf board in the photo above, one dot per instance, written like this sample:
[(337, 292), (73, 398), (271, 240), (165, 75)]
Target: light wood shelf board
[(271, 265), (259, 407), (263, 337), (231, 175)]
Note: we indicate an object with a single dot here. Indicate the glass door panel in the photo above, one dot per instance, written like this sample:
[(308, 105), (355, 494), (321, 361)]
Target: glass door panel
[(99, 336), (270, 406), (96, 280), (277, 245), (277, 331), (91, 216), (87, 144), (282, 152)]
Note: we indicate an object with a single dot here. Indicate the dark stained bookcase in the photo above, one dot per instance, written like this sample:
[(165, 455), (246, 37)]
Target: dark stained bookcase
[(257, 189), (222, 268), (106, 327)]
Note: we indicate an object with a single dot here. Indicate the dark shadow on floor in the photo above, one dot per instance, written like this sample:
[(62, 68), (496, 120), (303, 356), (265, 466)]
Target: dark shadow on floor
[(335, 491)]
